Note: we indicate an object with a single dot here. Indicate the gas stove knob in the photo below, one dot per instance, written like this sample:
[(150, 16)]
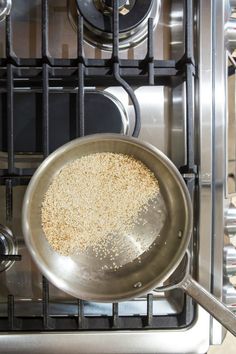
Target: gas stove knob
[(232, 4), (229, 261), (231, 34), (230, 221), (229, 296), (230, 8)]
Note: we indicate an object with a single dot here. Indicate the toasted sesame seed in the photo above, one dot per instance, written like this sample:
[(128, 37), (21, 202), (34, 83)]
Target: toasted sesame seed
[(94, 201)]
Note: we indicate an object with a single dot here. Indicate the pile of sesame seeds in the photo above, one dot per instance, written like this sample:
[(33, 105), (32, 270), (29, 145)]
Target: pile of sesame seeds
[(94, 202)]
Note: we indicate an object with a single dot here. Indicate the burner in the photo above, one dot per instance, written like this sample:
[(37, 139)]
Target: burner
[(7, 247), (97, 16)]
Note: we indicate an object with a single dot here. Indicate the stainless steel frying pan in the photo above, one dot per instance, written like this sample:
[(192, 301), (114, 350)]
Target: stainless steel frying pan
[(155, 253)]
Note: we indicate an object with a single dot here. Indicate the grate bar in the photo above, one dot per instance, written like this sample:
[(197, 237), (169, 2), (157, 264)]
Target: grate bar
[(11, 56), (45, 302), (81, 319), (10, 257), (149, 310), (45, 75), (189, 40), (150, 55), (13, 322), (10, 308), (115, 315), (116, 69), (47, 320), (9, 200), (10, 121), (80, 94), (45, 29), (45, 111), (190, 118)]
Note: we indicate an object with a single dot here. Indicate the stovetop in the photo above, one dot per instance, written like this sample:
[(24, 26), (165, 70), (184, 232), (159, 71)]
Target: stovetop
[(57, 83)]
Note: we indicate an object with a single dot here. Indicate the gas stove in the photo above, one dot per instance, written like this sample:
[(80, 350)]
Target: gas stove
[(66, 71)]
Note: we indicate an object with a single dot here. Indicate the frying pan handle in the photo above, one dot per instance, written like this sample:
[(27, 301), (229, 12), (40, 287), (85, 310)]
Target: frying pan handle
[(218, 310)]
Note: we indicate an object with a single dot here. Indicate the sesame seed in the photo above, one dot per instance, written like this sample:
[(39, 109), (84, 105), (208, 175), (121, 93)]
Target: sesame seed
[(94, 202)]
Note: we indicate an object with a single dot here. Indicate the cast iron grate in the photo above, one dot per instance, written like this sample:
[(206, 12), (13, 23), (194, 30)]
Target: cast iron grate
[(47, 72)]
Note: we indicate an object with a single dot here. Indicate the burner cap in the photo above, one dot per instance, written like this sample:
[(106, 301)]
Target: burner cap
[(97, 14), (7, 247)]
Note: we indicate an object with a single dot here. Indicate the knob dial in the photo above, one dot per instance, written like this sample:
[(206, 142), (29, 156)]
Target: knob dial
[(232, 4), (229, 260), (230, 221), (231, 34), (229, 296)]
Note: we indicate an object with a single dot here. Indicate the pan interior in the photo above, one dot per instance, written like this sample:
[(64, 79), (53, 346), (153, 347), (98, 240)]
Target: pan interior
[(150, 251)]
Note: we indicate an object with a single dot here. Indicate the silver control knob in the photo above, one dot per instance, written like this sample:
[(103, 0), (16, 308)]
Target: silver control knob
[(229, 296), (232, 4), (230, 221), (231, 34), (230, 8), (229, 261)]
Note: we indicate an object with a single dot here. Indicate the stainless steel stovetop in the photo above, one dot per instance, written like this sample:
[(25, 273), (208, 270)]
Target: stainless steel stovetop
[(177, 116)]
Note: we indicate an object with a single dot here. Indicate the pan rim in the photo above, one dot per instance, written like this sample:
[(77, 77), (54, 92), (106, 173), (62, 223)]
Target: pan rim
[(54, 279)]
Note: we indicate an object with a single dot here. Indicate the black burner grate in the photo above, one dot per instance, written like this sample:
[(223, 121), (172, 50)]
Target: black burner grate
[(48, 72)]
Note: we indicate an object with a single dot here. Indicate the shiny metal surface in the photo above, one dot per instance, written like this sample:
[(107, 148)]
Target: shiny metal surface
[(212, 305), (68, 307), (219, 145), (103, 40), (229, 261), (232, 5), (155, 114), (220, 148), (230, 220), (176, 28), (204, 298), (186, 341), (229, 296), (211, 110), (5, 8), (8, 246), (178, 126), (26, 280), (230, 126), (204, 110), (26, 23), (81, 277), (231, 34)]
